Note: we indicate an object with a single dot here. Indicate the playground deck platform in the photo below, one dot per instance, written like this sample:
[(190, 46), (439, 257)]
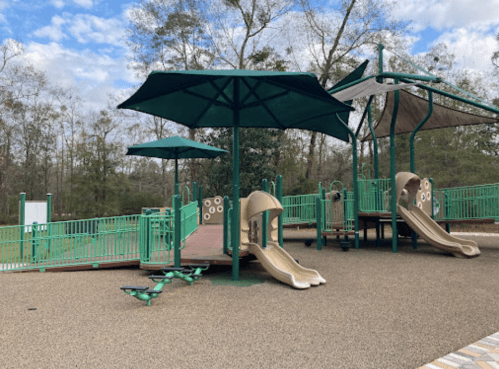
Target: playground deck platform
[(205, 245)]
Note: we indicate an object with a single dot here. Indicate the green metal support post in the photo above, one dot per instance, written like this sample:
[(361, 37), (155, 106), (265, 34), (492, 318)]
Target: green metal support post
[(148, 234), (226, 225), (22, 216), (393, 171), (235, 185), (414, 236), (355, 182), (200, 204), (265, 216), (194, 191), (280, 218), (318, 216), (178, 224), (176, 178), (378, 195), (49, 222)]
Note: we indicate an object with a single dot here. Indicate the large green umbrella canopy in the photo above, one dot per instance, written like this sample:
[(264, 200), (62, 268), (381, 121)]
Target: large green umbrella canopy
[(240, 98), (175, 147)]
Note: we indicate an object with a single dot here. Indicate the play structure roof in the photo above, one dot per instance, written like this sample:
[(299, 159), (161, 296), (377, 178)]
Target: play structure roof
[(264, 99), (412, 109)]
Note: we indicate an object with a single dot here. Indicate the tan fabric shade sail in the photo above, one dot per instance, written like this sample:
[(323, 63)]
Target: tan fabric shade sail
[(412, 110)]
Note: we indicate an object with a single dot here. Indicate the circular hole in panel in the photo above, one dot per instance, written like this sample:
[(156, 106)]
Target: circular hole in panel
[(420, 205), (206, 216), (427, 184), (423, 197), (212, 209), (217, 200), (207, 203), (220, 209), (428, 195)]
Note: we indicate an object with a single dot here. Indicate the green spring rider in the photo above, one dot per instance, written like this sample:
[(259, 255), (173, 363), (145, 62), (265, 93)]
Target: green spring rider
[(144, 293)]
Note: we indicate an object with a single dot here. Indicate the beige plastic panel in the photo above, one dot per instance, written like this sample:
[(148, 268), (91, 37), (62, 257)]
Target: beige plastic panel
[(213, 210)]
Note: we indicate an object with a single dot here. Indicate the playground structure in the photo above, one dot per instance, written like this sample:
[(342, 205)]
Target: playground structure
[(150, 240)]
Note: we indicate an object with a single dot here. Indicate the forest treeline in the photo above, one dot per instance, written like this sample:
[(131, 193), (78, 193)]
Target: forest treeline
[(51, 142)]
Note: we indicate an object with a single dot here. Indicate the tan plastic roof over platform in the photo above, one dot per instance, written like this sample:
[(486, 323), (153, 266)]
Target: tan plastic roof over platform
[(412, 109)]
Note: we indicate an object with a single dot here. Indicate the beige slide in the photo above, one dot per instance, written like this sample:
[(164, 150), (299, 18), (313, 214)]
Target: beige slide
[(273, 258), (424, 226)]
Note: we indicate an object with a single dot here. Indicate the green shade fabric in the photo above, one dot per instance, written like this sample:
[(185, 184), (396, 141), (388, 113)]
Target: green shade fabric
[(264, 99), (175, 148)]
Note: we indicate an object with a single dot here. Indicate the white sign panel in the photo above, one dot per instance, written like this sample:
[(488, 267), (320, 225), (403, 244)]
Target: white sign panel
[(35, 211)]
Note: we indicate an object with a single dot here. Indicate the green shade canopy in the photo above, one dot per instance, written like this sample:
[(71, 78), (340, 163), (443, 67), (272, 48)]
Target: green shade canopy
[(263, 99), (240, 98), (175, 148)]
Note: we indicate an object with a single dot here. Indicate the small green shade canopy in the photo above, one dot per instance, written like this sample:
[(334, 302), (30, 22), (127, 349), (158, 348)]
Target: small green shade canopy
[(175, 148), (263, 99)]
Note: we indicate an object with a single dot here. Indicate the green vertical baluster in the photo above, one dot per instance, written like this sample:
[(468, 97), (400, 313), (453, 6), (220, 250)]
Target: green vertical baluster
[(265, 217), (177, 227), (49, 222), (34, 236), (318, 215), (226, 225), (281, 216), (147, 256), (200, 204)]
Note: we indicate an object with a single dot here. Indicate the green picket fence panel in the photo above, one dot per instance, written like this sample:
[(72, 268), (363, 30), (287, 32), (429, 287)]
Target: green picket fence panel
[(69, 243), (471, 202), (299, 209), (189, 216), (374, 195), (156, 238)]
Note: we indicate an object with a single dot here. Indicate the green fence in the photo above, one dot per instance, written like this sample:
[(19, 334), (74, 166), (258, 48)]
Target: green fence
[(473, 202), (374, 195), (299, 209), (148, 238), (69, 243)]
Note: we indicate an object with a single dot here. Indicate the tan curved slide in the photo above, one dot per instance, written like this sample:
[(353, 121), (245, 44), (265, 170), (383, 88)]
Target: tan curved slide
[(273, 258), (432, 233), (283, 267), (407, 188)]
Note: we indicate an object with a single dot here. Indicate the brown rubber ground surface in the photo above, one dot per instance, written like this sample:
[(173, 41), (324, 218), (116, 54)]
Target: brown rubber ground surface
[(377, 310)]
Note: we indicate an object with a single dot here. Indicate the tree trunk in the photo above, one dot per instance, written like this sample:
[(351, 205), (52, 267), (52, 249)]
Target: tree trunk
[(310, 156)]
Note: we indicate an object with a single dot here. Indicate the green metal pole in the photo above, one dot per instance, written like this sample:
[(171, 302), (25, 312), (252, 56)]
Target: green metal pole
[(414, 236), (176, 178), (418, 127), (235, 186), (148, 235), (34, 235), (178, 224), (393, 170), (22, 216), (318, 216), (265, 216), (226, 225), (433, 202), (380, 58), (280, 218), (200, 204), (49, 222), (355, 181), (377, 196), (194, 191)]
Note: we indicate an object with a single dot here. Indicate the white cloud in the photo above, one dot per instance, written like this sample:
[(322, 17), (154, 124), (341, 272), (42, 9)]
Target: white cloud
[(472, 49), (441, 14), (54, 31), (85, 28), (84, 3), (58, 3), (89, 28), (94, 75)]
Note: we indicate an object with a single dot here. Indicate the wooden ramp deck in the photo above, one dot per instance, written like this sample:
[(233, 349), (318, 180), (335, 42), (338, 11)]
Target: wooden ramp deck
[(205, 245)]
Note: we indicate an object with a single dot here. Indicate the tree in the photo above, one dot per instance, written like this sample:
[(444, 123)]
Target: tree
[(334, 30)]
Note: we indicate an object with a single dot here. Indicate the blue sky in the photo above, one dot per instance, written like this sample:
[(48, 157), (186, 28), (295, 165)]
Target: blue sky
[(81, 41)]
